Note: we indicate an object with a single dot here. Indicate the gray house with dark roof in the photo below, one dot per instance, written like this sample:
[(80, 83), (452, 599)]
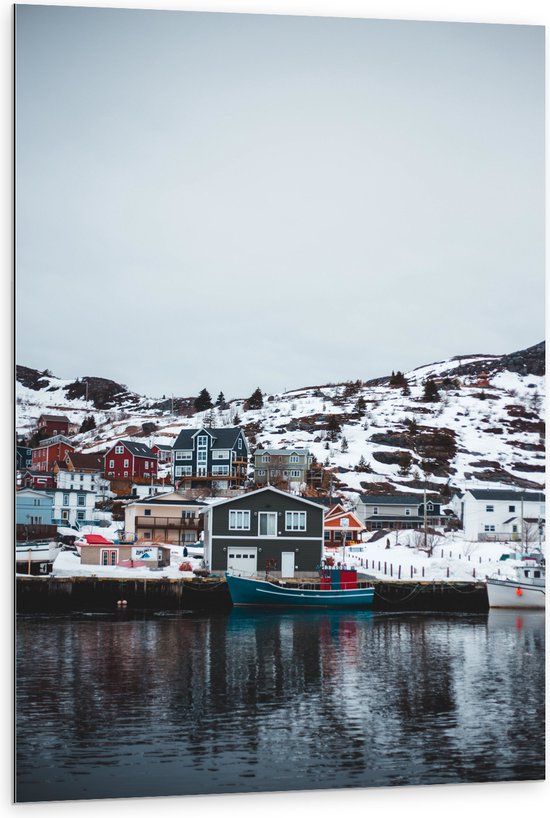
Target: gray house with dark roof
[(210, 457), (399, 511), (262, 530)]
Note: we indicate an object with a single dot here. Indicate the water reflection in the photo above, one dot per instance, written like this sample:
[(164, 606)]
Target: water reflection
[(273, 701)]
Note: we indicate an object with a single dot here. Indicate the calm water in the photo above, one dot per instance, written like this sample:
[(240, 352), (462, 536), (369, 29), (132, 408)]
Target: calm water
[(186, 703)]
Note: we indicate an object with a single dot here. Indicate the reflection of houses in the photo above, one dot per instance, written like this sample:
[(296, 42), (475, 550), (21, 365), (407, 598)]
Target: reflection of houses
[(342, 527), (398, 511), (264, 526), (217, 457), (281, 466), (167, 518), (501, 514)]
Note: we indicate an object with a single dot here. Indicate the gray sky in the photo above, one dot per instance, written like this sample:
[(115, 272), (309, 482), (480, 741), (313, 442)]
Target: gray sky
[(238, 200)]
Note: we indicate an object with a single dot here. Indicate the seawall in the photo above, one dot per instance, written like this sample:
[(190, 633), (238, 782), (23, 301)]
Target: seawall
[(49, 594)]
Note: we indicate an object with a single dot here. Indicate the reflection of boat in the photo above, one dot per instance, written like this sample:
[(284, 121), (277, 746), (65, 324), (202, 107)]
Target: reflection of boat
[(525, 590), (261, 592)]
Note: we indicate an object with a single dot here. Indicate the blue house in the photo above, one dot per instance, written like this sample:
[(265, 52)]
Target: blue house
[(33, 507), (216, 457)]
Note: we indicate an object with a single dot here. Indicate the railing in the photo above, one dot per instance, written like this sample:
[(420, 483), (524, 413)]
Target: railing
[(167, 522)]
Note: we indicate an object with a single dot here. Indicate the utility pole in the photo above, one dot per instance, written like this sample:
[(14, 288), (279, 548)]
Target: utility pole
[(522, 528), (425, 519)]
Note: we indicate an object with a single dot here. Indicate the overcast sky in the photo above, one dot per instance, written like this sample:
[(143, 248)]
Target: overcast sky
[(229, 200)]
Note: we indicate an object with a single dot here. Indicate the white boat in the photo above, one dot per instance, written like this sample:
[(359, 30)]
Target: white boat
[(526, 589)]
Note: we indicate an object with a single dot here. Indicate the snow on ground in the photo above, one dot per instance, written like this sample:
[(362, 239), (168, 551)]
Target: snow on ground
[(453, 558), (67, 564)]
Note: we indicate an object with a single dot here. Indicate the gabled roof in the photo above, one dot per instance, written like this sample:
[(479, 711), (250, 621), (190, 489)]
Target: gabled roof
[(52, 441), (335, 509), (259, 491), (397, 500), (54, 418), (507, 494), (224, 438), (334, 521), (36, 492), (137, 449), (162, 447), (283, 452)]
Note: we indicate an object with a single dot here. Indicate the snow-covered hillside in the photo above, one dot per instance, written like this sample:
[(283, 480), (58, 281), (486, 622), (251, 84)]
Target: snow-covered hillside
[(371, 433)]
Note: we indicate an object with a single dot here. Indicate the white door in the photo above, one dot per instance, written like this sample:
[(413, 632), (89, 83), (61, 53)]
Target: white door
[(242, 560), (287, 564)]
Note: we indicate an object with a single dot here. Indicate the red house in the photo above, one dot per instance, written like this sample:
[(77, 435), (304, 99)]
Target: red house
[(163, 453), (37, 480), (341, 527), (54, 424), (45, 455), (133, 461)]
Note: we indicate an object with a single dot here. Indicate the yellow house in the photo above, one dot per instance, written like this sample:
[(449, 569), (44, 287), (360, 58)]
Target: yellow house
[(169, 518)]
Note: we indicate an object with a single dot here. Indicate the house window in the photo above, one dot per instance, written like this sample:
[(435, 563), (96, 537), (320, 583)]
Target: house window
[(189, 515), (220, 470), (222, 454), (184, 455), (489, 528), (79, 515), (240, 443), (514, 529), (202, 442), (64, 515), (430, 507), (511, 508), (294, 472), (81, 500), (202, 456), (375, 510), (35, 520), (489, 508), (180, 471), (260, 472), (65, 499), (239, 520), (119, 449), (126, 464), (108, 557), (125, 474), (147, 512), (111, 464), (407, 512), (295, 520), (146, 466), (294, 458), (266, 458), (267, 523), (146, 474)]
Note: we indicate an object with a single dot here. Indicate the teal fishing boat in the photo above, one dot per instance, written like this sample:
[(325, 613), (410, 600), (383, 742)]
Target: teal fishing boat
[(332, 592)]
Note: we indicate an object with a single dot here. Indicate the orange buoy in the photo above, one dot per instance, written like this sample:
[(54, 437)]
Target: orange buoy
[(519, 592)]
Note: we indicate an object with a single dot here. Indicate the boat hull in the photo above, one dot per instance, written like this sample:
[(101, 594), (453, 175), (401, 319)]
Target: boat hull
[(258, 592), (510, 594)]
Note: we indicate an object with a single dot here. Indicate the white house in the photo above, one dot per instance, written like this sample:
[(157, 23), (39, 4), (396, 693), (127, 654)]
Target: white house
[(501, 514), (73, 507)]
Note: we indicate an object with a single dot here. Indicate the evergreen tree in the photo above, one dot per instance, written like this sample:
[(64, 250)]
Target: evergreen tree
[(431, 392), (344, 445), (87, 424), (256, 400), (220, 401), (406, 389), (333, 427), (360, 405), (203, 401)]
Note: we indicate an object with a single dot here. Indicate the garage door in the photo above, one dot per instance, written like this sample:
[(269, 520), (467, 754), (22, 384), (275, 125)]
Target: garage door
[(242, 560)]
